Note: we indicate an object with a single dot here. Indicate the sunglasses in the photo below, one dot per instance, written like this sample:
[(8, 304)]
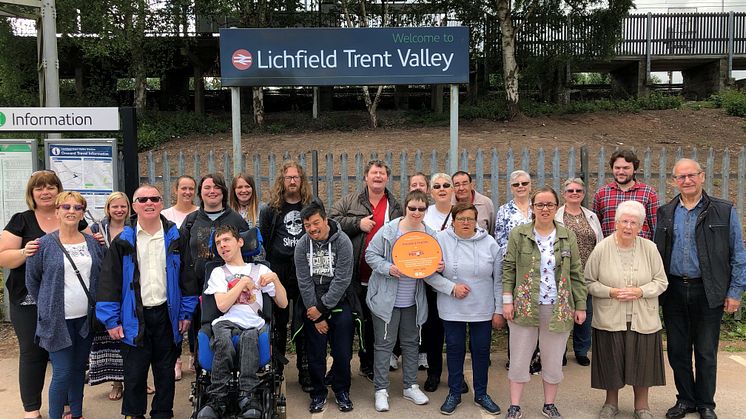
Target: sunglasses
[(574, 190), (517, 184), (420, 209), (144, 199), (76, 207), (444, 186)]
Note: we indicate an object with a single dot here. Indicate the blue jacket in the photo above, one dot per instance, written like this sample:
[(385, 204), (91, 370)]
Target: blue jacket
[(119, 301), (45, 281)]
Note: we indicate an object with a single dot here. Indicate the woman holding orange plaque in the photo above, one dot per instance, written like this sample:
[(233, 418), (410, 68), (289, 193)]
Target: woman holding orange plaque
[(397, 302)]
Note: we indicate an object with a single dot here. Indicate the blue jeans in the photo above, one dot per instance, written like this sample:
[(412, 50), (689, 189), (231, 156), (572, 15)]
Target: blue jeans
[(480, 338), (68, 371), (581, 333), (692, 324)]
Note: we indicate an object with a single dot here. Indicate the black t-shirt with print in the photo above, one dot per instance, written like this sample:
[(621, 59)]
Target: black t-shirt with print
[(288, 231)]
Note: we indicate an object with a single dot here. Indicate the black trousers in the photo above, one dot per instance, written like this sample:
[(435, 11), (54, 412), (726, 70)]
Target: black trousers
[(433, 335), (32, 360), (365, 353), (286, 272), (340, 335), (691, 325), (157, 350)]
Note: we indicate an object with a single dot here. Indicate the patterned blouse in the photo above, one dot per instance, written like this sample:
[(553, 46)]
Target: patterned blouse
[(548, 286), (508, 217), (578, 224)]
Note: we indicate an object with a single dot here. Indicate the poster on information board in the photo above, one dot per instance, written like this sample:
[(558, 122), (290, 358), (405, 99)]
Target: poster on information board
[(18, 160), (88, 166)]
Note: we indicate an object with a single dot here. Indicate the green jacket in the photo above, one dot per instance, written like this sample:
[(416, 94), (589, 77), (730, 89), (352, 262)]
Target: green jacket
[(521, 277)]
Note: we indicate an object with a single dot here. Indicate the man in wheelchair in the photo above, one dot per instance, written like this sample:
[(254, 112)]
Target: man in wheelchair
[(237, 287)]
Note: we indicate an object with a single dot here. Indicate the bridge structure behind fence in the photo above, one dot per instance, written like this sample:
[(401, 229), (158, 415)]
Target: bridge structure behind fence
[(338, 174)]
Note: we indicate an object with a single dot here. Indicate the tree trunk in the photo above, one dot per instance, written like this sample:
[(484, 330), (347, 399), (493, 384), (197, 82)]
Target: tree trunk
[(258, 95), (372, 105), (510, 65)]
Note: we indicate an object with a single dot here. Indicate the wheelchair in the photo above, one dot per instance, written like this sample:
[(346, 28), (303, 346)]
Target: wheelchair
[(271, 384)]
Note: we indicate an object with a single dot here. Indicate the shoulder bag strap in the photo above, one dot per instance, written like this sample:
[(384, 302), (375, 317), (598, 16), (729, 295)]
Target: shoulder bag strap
[(77, 272)]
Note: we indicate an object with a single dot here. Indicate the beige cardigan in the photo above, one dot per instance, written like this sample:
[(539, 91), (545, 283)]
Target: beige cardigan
[(603, 272)]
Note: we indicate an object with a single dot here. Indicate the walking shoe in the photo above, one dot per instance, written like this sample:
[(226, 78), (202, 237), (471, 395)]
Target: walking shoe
[(415, 395), (452, 402), (486, 403), (214, 409), (583, 360), (514, 412), (318, 404), (422, 362), (250, 407), (343, 401), (432, 383), (550, 411), (367, 373), (382, 400), (643, 414), (608, 411), (679, 410), (393, 363), (464, 387), (707, 413)]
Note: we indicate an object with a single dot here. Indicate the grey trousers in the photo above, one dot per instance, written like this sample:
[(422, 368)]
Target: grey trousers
[(224, 358), (403, 325)]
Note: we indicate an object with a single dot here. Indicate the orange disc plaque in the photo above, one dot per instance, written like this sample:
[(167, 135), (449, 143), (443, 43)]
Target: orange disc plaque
[(417, 254)]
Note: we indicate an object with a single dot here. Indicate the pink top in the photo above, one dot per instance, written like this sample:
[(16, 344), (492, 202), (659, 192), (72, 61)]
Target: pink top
[(176, 216)]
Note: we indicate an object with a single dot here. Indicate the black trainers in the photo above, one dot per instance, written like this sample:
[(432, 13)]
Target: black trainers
[(318, 404), (486, 403), (367, 372), (211, 410), (343, 401), (250, 407), (452, 402), (514, 412), (432, 383)]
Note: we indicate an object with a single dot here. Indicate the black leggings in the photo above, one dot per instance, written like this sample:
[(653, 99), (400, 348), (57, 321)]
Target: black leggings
[(32, 360)]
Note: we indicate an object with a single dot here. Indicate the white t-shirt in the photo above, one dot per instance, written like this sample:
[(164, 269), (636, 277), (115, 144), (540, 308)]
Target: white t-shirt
[(76, 302), (434, 218), (241, 314)]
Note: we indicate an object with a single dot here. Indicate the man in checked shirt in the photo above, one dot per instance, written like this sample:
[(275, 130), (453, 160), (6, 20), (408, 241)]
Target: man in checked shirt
[(624, 165)]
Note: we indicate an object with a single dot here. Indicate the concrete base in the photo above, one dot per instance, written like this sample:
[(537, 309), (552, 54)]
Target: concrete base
[(629, 81), (702, 81)]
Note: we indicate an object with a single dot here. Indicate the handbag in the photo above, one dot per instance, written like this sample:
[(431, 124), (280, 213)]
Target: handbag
[(94, 324)]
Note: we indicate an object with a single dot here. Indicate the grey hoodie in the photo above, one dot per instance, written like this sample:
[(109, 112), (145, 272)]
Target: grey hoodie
[(474, 262), (382, 286), (324, 268)]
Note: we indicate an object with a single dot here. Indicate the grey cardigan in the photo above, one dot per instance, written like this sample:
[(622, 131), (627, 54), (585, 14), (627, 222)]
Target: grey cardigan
[(382, 286), (45, 280)]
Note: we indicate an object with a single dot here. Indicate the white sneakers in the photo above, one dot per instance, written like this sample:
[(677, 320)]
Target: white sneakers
[(422, 362), (393, 363), (415, 395), (382, 400)]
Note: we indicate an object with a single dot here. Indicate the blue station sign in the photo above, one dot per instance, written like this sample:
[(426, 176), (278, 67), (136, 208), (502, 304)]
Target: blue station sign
[(336, 57)]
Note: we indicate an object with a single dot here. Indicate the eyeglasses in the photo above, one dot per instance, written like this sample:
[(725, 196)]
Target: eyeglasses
[(547, 205), (629, 223), (420, 209), (574, 190), (295, 178), (517, 184), (444, 186), (76, 207), (144, 199), (465, 219), (689, 176)]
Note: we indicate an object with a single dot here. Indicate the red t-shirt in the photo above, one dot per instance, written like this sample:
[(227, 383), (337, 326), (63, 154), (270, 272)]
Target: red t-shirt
[(379, 216)]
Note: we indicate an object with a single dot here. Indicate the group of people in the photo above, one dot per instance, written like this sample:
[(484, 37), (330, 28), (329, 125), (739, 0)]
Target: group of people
[(114, 298)]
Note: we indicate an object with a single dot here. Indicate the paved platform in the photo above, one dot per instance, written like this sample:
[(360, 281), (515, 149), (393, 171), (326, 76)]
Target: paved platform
[(575, 400)]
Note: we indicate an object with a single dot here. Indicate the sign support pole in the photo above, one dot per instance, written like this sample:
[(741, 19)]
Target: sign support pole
[(129, 151), (236, 128), (453, 150)]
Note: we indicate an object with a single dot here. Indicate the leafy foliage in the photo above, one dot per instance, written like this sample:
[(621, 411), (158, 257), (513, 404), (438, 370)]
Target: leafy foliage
[(733, 101)]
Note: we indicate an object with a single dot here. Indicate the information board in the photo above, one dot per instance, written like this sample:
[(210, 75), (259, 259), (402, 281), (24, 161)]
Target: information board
[(18, 160), (87, 166)]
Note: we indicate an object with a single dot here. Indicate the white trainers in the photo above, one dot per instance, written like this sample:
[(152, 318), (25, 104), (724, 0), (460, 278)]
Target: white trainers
[(393, 363), (415, 395), (382, 400), (422, 362)]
